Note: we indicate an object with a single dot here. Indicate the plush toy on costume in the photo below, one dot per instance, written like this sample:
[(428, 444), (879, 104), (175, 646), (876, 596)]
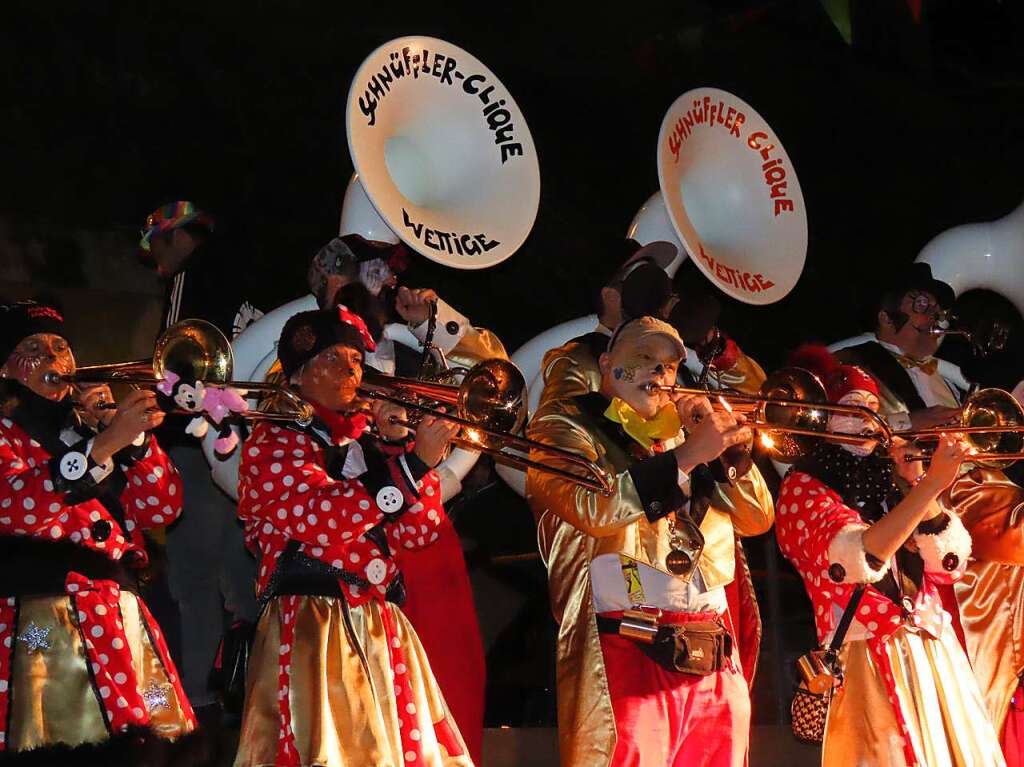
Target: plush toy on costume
[(220, 405)]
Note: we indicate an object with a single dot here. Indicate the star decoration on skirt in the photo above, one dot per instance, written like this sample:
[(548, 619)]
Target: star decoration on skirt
[(35, 637), (156, 697)]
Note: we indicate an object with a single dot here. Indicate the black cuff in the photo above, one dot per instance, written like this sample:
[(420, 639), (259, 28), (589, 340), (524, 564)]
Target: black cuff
[(657, 484), (417, 468), (933, 526), (70, 472)]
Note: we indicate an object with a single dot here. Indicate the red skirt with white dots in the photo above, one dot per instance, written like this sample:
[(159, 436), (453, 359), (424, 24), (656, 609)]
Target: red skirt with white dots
[(334, 685)]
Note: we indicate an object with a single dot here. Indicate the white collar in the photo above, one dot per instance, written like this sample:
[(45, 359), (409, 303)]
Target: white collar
[(897, 350)]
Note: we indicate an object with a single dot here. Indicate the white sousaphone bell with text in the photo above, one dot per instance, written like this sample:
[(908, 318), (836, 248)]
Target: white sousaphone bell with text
[(442, 153), (444, 162), (729, 199)]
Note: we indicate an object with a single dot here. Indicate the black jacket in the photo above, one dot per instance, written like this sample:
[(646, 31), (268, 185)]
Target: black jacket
[(212, 285)]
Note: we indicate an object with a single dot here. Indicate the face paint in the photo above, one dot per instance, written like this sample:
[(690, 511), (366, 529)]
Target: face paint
[(333, 376), (851, 424), (374, 274), (36, 356), (24, 364), (859, 450), (628, 372)]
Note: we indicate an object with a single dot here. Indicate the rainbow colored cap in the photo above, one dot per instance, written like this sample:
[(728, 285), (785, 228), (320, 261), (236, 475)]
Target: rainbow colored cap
[(171, 216)]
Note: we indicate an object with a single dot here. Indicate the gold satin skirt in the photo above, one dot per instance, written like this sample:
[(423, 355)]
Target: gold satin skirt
[(341, 696), (944, 713), (52, 697)]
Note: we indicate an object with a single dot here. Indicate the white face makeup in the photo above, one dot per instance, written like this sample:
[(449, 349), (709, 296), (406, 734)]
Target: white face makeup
[(654, 359), (851, 424), (375, 274)]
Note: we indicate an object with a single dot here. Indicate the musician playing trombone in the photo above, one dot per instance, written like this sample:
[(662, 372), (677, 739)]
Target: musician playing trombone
[(918, 390), (647, 668), (83, 666), (363, 275), (337, 674), (863, 525)]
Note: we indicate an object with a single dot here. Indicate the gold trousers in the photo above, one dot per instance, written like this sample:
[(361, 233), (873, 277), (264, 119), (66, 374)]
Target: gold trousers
[(335, 700), (937, 695)]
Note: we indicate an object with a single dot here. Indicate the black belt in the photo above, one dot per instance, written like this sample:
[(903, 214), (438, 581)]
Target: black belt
[(35, 567), (299, 575), (701, 647)]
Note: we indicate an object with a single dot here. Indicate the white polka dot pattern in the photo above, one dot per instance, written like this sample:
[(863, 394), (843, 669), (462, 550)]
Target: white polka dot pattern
[(33, 507), (328, 517)]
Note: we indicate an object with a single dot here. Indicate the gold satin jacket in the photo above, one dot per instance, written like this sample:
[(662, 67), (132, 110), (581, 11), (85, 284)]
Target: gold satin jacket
[(571, 370), (575, 525), (991, 593), (477, 345)]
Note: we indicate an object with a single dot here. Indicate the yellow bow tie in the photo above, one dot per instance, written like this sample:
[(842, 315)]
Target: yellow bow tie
[(929, 366), (664, 425)]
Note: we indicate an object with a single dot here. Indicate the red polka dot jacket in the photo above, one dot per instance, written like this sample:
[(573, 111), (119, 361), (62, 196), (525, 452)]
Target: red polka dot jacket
[(53, 494), (298, 488)]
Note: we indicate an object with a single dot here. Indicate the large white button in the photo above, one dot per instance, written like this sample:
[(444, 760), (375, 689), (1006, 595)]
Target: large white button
[(73, 465), (376, 571), (389, 499)]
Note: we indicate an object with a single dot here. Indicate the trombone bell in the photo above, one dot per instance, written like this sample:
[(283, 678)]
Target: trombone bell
[(791, 384), (994, 409), (195, 350)]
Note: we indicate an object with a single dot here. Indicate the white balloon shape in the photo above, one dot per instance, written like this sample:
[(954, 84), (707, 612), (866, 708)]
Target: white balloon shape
[(651, 224), (986, 255), (358, 216)]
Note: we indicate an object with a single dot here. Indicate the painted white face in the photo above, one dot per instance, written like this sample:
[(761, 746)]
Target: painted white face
[(375, 274), (851, 424)]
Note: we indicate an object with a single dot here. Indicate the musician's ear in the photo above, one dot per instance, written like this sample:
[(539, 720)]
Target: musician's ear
[(884, 320), (604, 363)]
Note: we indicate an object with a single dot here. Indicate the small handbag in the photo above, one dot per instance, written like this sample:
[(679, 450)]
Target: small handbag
[(820, 675)]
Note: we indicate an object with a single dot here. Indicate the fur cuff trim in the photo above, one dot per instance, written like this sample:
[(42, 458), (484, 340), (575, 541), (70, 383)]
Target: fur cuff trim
[(945, 551), (847, 559)]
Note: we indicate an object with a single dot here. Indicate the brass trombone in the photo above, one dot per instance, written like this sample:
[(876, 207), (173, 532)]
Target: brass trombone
[(490, 405), (195, 350), (992, 421), (792, 409)]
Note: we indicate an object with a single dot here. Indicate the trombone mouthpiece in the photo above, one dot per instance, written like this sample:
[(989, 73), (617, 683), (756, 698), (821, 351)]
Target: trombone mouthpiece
[(52, 379)]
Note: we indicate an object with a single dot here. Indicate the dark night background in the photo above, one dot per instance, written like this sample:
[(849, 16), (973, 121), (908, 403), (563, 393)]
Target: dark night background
[(110, 109)]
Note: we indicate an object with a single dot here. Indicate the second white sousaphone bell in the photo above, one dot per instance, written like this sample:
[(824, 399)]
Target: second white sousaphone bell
[(729, 197)]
